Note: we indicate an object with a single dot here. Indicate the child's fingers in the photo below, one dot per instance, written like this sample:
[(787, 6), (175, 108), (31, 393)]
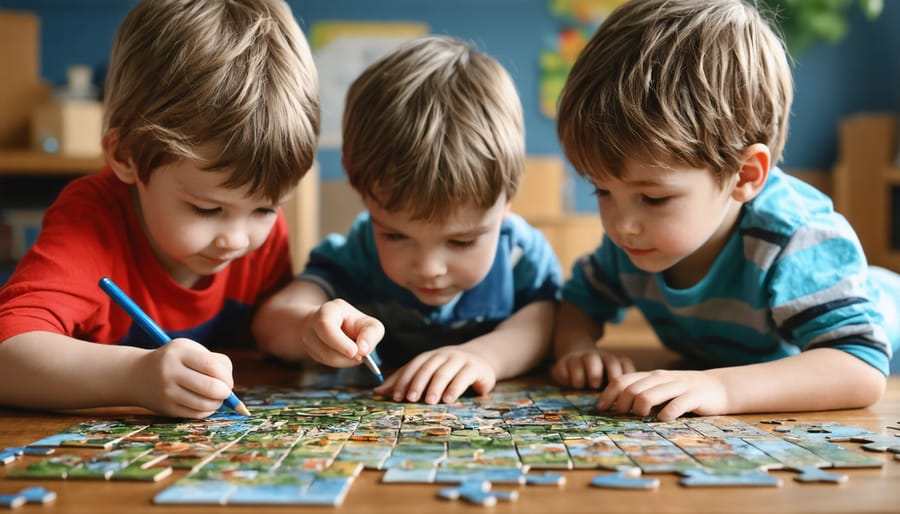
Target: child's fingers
[(192, 355), (560, 373), (594, 369), (440, 378), (328, 327), (367, 331)]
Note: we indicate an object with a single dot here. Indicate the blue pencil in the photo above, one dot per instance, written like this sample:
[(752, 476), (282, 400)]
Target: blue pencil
[(153, 330)]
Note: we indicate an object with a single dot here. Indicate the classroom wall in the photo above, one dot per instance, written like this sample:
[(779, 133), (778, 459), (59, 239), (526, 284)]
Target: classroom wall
[(860, 74)]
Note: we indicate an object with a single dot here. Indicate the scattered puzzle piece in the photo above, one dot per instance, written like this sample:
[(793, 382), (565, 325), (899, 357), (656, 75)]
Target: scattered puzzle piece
[(813, 474), (777, 421), (8, 455), (826, 430), (477, 492), (545, 479), (879, 442), (28, 495), (625, 479), (709, 478)]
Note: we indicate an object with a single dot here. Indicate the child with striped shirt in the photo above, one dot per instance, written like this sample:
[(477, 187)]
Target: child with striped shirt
[(677, 112)]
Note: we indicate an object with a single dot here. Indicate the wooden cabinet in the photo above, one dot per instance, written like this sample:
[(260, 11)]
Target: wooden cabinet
[(866, 185)]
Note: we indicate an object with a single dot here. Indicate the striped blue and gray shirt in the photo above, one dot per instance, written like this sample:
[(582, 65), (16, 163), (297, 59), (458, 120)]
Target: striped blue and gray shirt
[(792, 277)]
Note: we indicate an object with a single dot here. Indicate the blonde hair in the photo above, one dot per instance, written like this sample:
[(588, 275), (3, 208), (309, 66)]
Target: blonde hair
[(432, 125), (695, 81), (236, 76)]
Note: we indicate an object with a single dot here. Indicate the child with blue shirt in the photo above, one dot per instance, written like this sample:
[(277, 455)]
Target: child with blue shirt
[(677, 111), (461, 290)]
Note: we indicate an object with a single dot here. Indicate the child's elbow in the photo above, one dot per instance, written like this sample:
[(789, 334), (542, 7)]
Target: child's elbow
[(871, 388)]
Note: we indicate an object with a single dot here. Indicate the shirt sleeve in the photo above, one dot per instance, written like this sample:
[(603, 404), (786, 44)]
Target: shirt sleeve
[(341, 263), (594, 286), (54, 287), (822, 295), (537, 274)]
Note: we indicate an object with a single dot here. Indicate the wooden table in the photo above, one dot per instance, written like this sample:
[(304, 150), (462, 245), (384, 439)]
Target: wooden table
[(868, 490)]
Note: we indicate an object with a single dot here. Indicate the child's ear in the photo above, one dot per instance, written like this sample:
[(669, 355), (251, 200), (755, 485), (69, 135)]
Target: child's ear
[(753, 172), (118, 158)]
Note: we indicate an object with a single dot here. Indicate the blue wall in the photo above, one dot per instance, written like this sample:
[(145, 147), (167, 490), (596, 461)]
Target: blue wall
[(860, 74)]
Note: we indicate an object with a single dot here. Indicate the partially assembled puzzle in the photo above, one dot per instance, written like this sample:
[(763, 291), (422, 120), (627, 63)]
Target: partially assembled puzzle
[(305, 446)]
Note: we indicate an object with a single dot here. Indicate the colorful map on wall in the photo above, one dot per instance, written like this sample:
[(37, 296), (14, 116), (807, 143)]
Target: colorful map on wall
[(579, 20)]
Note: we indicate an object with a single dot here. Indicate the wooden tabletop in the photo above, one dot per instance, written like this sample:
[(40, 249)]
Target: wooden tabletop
[(867, 490)]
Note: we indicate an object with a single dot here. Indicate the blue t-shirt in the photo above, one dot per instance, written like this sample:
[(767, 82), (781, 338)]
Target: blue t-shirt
[(524, 270), (792, 277)]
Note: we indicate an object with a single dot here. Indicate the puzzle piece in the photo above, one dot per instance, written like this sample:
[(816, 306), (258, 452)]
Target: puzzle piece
[(27, 495), (477, 492), (709, 478), (879, 442), (825, 430), (545, 479), (10, 454), (813, 474), (625, 479), (777, 421)]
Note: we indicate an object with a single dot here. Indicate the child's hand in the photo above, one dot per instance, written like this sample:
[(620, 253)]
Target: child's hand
[(677, 392), (184, 379), (339, 335), (439, 375), (587, 367)]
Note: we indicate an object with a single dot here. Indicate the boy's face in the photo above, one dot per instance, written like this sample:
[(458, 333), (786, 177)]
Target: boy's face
[(436, 261), (668, 219), (196, 226)]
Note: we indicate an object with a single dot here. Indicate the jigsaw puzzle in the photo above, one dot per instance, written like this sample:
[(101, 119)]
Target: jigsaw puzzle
[(305, 446)]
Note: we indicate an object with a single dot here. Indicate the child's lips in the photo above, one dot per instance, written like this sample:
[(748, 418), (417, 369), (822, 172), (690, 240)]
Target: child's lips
[(638, 251)]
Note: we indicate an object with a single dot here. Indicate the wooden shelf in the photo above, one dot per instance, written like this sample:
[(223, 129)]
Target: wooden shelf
[(892, 176), (30, 162)]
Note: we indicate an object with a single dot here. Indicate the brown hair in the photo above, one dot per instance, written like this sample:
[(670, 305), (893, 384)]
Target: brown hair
[(694, 81), (235, 76), (431, 125)]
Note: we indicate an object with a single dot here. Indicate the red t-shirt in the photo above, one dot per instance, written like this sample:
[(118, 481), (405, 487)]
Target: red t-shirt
[(91, 231)]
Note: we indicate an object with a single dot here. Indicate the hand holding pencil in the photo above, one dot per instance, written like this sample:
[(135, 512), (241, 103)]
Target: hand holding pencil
[(188, 379)]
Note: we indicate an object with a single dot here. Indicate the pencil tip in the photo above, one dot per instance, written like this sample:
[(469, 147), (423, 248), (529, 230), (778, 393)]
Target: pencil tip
[(242, 409)]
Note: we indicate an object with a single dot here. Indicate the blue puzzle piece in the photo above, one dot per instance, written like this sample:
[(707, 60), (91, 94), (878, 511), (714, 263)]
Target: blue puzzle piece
[(624, 479), (38, 494), (814, 474), (477, 492), (710, 478), (11, 501), (545, 479), (27, 495)]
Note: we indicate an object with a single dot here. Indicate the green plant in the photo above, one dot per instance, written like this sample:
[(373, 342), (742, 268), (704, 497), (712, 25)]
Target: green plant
[(806, 22)]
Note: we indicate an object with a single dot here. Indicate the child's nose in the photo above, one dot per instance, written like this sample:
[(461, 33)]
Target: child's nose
[(430, 265), (233, 237), (627, 224)]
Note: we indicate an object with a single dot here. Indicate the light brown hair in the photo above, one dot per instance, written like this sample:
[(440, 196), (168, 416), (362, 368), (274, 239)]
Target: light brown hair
[(236, 76), (694, 81), (431, 125)]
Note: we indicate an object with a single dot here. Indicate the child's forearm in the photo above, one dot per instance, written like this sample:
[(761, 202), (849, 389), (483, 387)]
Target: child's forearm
[(574, 330), (821, 379), (518, 344), (42, 370), (277, 324)]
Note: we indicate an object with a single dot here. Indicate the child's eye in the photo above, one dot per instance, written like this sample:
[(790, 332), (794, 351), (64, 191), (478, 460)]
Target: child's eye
[(656, 201), (393, 236), (265, 211), (205, 212), (600, 192), (462, 244)]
